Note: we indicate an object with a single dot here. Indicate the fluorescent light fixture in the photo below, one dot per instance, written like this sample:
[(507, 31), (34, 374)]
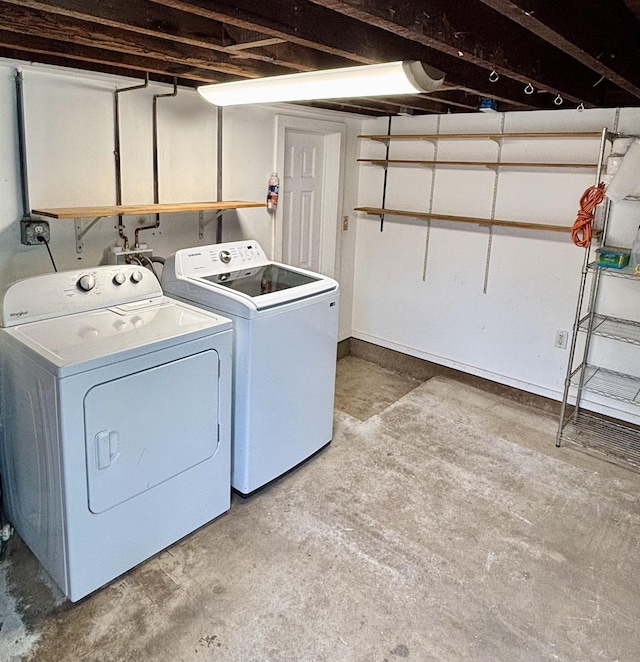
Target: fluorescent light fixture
[(374, 80)]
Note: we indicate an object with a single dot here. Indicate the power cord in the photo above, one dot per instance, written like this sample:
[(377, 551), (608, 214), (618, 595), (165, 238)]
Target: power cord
[(581, 232), (46, 243)]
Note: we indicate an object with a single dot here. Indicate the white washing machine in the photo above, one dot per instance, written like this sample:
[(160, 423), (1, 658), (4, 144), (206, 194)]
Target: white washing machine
[(285, 339), (116, 405)]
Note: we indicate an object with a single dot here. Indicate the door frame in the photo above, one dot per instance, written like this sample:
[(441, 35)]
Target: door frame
[(335, 134)]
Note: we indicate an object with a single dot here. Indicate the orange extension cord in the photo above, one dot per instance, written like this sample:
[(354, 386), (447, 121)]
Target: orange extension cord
[(581, 231)]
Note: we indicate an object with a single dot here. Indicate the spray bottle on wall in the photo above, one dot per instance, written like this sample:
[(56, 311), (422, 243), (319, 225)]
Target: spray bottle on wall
[(272, 192)]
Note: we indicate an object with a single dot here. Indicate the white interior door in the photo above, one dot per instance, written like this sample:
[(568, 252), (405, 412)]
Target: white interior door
[(294, 135), (302, 197)]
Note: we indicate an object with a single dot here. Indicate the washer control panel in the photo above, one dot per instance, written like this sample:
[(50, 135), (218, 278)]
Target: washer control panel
[(220, 258), (68, 292)]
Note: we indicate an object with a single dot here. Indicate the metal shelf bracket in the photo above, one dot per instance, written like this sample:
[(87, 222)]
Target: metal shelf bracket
[(202, 223), (82, 231)]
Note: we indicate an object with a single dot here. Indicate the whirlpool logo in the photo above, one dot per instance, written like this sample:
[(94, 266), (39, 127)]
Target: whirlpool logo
[(19, 313)]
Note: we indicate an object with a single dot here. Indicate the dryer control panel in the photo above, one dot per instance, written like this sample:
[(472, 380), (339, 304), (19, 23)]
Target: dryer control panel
[(68, 292), (220, 258)]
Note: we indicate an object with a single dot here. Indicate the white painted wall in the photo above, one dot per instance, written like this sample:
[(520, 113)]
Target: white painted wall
[(70, 142), (507, 334)]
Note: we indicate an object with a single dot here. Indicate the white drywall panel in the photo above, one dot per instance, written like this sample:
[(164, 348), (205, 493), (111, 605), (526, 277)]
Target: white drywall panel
[(70, 142), (508, 333)]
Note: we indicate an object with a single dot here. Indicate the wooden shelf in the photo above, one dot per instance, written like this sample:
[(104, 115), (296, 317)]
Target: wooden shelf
[(488, 164), (485, 136), (96, 213), (378, 211), (126, 210)]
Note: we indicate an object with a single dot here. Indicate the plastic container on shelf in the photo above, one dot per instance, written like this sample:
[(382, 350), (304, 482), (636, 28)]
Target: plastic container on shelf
[(612, 257)]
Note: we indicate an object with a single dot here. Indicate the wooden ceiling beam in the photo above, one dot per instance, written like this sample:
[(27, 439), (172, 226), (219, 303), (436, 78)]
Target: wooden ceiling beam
[(604, 36), (395, 105), (313, 26), (76, 56), (634, 6), (472, 30), (259, 43), (344, 106), (67, 62), (35, 23), (281, 52), (134, 17), (154, 20)]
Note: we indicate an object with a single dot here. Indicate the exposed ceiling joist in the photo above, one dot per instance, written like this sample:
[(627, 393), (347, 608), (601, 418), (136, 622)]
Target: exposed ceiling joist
[(601, 35), (309, 25), (153, 20), (87, 65), (634, 6), (36, 23), (451, 28), (586, 51), (74, 55), (259, 43)]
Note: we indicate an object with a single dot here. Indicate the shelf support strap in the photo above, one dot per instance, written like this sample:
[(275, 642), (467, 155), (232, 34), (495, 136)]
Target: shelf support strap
[(494, 200), (431, 194)]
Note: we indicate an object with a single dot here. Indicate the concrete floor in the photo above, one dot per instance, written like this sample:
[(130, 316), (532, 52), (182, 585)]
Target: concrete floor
[(441, 524)]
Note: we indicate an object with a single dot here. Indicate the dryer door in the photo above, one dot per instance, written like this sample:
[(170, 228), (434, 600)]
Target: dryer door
[(147, 427)]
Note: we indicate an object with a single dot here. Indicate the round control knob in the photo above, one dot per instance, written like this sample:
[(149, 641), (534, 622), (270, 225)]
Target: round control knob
[(225, 257), (119, 278), (87, 282), (136, 276)]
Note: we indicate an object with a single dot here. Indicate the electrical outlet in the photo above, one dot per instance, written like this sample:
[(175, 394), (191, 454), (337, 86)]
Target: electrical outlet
[(345, 223), (561, 339), (31, 229)]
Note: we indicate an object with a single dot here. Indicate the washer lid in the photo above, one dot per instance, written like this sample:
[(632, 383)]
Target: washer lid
[(239, 272), (84, 341)]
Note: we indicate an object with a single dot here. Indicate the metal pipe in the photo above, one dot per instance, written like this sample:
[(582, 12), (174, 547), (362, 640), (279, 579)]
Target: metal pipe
[(219, 175), (156, 184), (116, 152), (116, 149), (22, 147)]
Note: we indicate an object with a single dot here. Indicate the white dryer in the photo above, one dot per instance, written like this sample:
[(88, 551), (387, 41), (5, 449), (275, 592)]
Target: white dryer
[(115, 420), (285, 340)]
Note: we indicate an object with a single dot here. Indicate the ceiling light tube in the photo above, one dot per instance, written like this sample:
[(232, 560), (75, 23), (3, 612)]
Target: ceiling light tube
[(408, 77)]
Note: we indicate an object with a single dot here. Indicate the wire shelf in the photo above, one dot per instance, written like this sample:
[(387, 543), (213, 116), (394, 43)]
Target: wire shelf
[(610, 440), (627, 272), (613, 327), (611, 384)]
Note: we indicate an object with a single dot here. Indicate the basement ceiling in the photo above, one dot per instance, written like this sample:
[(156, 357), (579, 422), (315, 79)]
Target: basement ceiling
[(525, 54)]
